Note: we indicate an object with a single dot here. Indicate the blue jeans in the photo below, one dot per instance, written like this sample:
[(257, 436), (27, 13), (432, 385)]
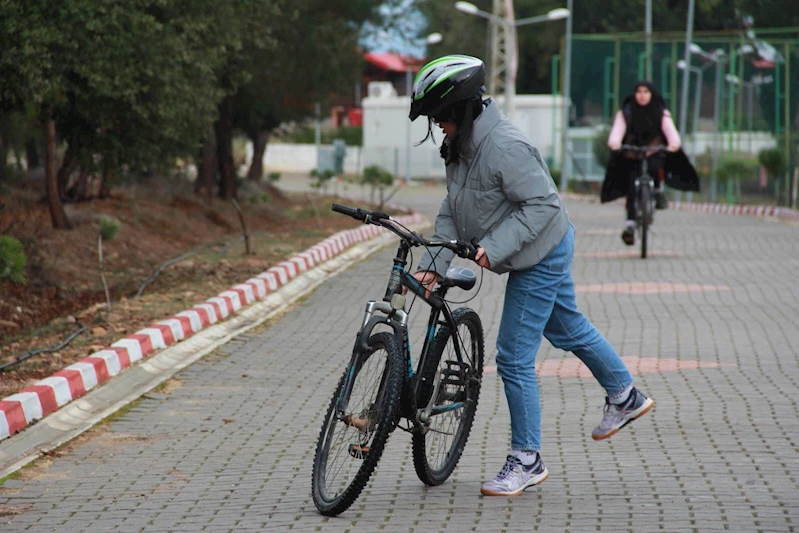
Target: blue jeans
[(541, 301)]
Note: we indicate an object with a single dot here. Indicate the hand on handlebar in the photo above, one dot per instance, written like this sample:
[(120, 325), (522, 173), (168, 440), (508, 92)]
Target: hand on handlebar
[(428, 278), (481, 258)]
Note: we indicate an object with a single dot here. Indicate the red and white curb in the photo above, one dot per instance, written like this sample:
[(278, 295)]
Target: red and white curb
[(50, 394), (769, 211), (783, 213)]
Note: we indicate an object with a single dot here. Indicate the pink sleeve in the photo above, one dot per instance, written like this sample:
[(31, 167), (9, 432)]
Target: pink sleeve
[(618, 131), (670, 131)]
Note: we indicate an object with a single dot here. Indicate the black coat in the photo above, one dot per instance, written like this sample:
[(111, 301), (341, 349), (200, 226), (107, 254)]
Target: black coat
[(680, 175)]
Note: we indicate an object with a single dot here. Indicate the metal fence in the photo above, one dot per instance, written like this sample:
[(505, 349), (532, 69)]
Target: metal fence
[(747, 103)]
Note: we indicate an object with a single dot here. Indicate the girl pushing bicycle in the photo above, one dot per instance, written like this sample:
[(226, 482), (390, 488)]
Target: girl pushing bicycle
[(500, 195), (644, 121)]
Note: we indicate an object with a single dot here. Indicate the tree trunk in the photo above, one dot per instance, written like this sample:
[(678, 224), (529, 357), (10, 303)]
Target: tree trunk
[(206, 167), (68, 166), (32, 154), (256, 172), (57, 214), (3, 155), (80, 188), (105, 189), (224, 149)]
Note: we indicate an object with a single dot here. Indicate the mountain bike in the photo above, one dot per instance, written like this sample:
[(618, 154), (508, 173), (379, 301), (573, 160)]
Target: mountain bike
[(643, 195), (380, 386)]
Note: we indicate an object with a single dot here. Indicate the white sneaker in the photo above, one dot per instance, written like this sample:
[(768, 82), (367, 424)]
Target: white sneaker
[(515, 477)]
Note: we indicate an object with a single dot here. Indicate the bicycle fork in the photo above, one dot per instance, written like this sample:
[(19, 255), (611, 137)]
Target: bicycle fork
[(397, 319)]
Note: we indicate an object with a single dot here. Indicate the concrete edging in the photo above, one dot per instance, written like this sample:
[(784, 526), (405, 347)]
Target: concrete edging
[(47, 396)]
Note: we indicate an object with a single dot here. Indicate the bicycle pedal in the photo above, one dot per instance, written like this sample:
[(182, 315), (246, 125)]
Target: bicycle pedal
[(359, 451)]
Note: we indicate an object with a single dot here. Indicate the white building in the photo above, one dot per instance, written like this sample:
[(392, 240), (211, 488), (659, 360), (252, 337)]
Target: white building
[(389, 138)]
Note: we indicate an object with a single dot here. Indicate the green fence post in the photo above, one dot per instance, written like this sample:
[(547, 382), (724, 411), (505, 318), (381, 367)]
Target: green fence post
[(788, 123), (555, 92), (675, 96), (664, 80), (731, 101), (607, 90), (641, 65), (617, 71)]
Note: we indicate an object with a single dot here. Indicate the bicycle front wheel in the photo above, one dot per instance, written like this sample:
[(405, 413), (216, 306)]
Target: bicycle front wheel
[(646, 217), (352, 441), (457, 388)]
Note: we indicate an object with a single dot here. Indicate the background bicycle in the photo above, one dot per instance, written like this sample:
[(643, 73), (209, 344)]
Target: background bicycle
[(643, 196)]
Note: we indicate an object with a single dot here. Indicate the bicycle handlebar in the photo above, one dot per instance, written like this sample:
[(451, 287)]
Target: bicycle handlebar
[(656, 147), (464, 249)]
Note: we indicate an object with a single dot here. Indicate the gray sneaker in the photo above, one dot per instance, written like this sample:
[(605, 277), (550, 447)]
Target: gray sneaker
[(515, 477), (618, 416)]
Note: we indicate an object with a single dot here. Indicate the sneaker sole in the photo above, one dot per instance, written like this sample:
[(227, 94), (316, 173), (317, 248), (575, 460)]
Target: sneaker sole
[(638, 413), (533, 481)]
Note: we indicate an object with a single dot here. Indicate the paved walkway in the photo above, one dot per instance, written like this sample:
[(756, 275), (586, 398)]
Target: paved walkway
[(709, 325)]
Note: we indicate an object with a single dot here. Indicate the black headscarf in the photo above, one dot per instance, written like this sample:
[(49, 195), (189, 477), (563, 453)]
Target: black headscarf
[(643, 122), (463, 114)]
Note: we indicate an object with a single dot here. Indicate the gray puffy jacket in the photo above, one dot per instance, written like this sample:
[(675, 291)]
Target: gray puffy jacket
[(503, 196)]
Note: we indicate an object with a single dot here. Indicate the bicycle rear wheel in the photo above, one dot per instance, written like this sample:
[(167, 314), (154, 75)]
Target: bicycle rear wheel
[(351, 442), (437, 452), (645, 207)]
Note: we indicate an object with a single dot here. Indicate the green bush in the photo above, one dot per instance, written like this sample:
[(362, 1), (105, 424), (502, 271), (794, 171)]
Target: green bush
[(273, 176), (774, 161), (109, 227), (556, 175), (600, 146), (12, 260), (737, 168), (322, 177), (377, 176)]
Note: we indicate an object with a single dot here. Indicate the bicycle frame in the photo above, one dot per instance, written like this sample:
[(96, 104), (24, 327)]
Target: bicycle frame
[(642, 210), (391, 312)]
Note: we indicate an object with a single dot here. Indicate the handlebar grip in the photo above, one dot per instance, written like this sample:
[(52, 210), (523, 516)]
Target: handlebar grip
[(357, 214), (468, 250)]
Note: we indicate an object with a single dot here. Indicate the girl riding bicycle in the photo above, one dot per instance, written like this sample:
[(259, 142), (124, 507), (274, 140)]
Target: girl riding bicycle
[(500, 193), (644, 121)]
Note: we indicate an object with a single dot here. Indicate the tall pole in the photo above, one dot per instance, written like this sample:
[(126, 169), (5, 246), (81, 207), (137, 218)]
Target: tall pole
[(512, 52), (567, 70), (408, 142), (689, 35), (649, 40), (697, 98), (716, 140)]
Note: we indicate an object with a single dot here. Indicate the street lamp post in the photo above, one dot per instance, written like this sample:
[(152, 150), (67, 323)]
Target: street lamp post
[(511, 63), (750, 87), (689, 30), (699, 71), (512, 57), (718, 58)]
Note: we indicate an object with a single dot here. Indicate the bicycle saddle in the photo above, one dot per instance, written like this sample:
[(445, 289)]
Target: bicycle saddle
[(459, 277)]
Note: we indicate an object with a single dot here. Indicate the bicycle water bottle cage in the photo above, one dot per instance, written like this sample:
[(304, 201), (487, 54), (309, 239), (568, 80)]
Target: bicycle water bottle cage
[(459, 277)]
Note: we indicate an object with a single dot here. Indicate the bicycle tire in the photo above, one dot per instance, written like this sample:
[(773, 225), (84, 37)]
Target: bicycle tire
[(364, 434), (646, 207), (425, 449)]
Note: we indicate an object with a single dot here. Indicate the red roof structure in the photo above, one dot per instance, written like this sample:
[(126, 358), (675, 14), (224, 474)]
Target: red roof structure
[(392, 62)]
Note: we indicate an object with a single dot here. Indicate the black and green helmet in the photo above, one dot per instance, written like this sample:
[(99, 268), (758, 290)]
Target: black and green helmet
[(445, 81)]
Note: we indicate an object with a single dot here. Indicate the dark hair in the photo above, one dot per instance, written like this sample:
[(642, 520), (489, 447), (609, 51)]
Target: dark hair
[(463, 115)]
